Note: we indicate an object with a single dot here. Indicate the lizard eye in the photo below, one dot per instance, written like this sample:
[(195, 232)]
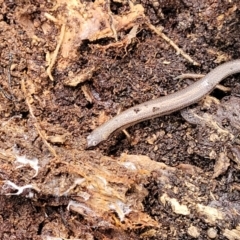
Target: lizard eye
[(91, 142)]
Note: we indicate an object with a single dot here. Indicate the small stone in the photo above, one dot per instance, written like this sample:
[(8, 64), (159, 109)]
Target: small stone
[(212, 233), (193, 232)]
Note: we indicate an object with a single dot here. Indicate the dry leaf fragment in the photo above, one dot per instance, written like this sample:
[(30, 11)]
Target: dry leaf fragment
[(221, 165), (176, 206), (57, 139), (87, 93), (233, 234), (193, 232), (81, 77), (211, 214)]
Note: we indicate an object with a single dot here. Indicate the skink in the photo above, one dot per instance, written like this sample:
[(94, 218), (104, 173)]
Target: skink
[(164, 105)]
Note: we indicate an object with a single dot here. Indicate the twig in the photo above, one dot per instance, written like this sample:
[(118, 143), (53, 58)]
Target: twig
[(9, 77), (55, 53), (6, 95), (28, 100), (162, 35)]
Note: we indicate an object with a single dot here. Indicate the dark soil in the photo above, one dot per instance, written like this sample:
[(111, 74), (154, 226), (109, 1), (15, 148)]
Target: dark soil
[(49, 120)]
